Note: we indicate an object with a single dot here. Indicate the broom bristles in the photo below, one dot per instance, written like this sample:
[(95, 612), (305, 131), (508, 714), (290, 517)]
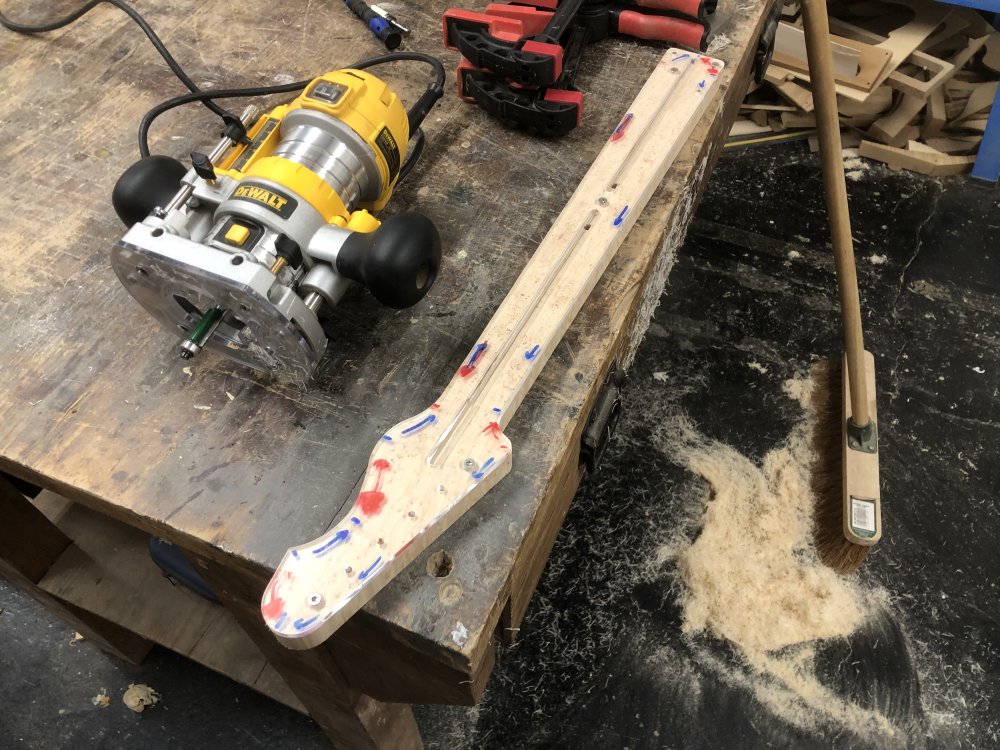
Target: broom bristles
[(835, 550)]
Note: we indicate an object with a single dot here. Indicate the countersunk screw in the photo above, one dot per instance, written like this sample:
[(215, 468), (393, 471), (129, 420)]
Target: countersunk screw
[(348, 570), (469, 464), (315, 599), (411, 514)]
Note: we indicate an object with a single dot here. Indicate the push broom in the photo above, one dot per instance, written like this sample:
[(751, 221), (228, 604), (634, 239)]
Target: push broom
[(848, 514)]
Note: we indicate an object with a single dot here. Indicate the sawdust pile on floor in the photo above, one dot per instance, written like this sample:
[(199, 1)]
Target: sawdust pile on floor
[(102, 699), (754, 553), (137, 697), (751, 576)]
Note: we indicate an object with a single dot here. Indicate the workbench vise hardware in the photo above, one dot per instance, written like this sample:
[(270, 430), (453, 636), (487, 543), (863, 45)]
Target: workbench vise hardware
[(240, 252)]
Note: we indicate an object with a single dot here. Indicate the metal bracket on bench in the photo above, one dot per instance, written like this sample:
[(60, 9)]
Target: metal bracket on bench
[(603, 420), (765, 45)]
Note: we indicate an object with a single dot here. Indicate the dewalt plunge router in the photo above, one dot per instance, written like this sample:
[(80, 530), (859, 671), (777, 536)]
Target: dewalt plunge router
[(240, 252)]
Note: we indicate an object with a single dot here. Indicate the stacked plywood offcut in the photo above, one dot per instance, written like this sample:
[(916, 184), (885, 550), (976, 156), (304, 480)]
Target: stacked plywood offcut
[(915, 82)]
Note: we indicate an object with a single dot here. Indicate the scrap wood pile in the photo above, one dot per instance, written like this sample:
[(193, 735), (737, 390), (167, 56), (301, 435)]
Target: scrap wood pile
[(915, 83)]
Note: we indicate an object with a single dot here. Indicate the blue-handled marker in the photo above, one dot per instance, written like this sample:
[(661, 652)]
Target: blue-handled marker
[(380, 23)]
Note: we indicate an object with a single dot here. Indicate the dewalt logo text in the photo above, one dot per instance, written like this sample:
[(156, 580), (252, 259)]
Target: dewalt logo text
[(261, 195), (283, 205)]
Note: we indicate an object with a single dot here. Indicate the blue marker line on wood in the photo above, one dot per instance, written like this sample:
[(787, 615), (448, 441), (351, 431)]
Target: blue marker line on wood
[(300, 624), (368, 571), (422, 423), (387, 438), (295, 554), (482, 471), (480, 348), (355, 521), (619, 132), (340, 536), (497, 410), (621, 217), (469, 367), (530, 355), (281, 621), (685, 56)]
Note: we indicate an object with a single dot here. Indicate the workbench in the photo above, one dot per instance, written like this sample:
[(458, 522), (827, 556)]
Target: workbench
[(233, 466)]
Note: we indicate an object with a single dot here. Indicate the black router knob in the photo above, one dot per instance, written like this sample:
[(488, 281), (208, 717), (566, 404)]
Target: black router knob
[(150, 182), (202, 166), (398, 262)]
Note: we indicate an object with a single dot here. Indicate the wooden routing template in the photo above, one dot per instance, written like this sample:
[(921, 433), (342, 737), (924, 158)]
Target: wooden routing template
[(426, 471)]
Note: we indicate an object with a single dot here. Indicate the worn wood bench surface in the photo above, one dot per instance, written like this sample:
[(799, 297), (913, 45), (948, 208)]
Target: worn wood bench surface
[(234, 466)]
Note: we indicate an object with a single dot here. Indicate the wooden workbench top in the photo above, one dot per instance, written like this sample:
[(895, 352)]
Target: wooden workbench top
[(95, 404)]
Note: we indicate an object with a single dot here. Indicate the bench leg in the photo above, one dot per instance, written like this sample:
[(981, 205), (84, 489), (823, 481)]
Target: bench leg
[(352, 720), (29, 544)]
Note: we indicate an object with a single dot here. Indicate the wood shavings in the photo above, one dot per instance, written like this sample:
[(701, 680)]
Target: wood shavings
[(77, 637), (137, 697), (201, 407), (751, 577), (101, 700), (460, 634), (673, 238), (855, 167), (719, 42), (754, 553), (799, 389)]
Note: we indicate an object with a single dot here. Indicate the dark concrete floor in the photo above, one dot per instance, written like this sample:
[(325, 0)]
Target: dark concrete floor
[(600, 661)]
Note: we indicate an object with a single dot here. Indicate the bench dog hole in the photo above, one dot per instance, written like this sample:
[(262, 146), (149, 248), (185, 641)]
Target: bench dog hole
[(440, 564)]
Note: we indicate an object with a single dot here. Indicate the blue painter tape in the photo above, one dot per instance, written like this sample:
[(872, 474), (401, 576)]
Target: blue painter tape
[(301, 624), (339, 537), (482, 471), (422, 423), (621, 217), (368, 571)]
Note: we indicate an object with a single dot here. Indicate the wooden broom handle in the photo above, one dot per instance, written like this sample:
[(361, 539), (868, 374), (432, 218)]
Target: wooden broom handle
[(817, 34)]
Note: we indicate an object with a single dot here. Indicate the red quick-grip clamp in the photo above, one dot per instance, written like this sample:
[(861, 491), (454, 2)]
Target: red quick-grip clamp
[(662, 29), (499, 27)]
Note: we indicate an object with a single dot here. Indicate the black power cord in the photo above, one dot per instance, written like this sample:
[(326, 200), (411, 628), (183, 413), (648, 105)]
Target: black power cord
[(20, 28), (416, 114), (207, 96)]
